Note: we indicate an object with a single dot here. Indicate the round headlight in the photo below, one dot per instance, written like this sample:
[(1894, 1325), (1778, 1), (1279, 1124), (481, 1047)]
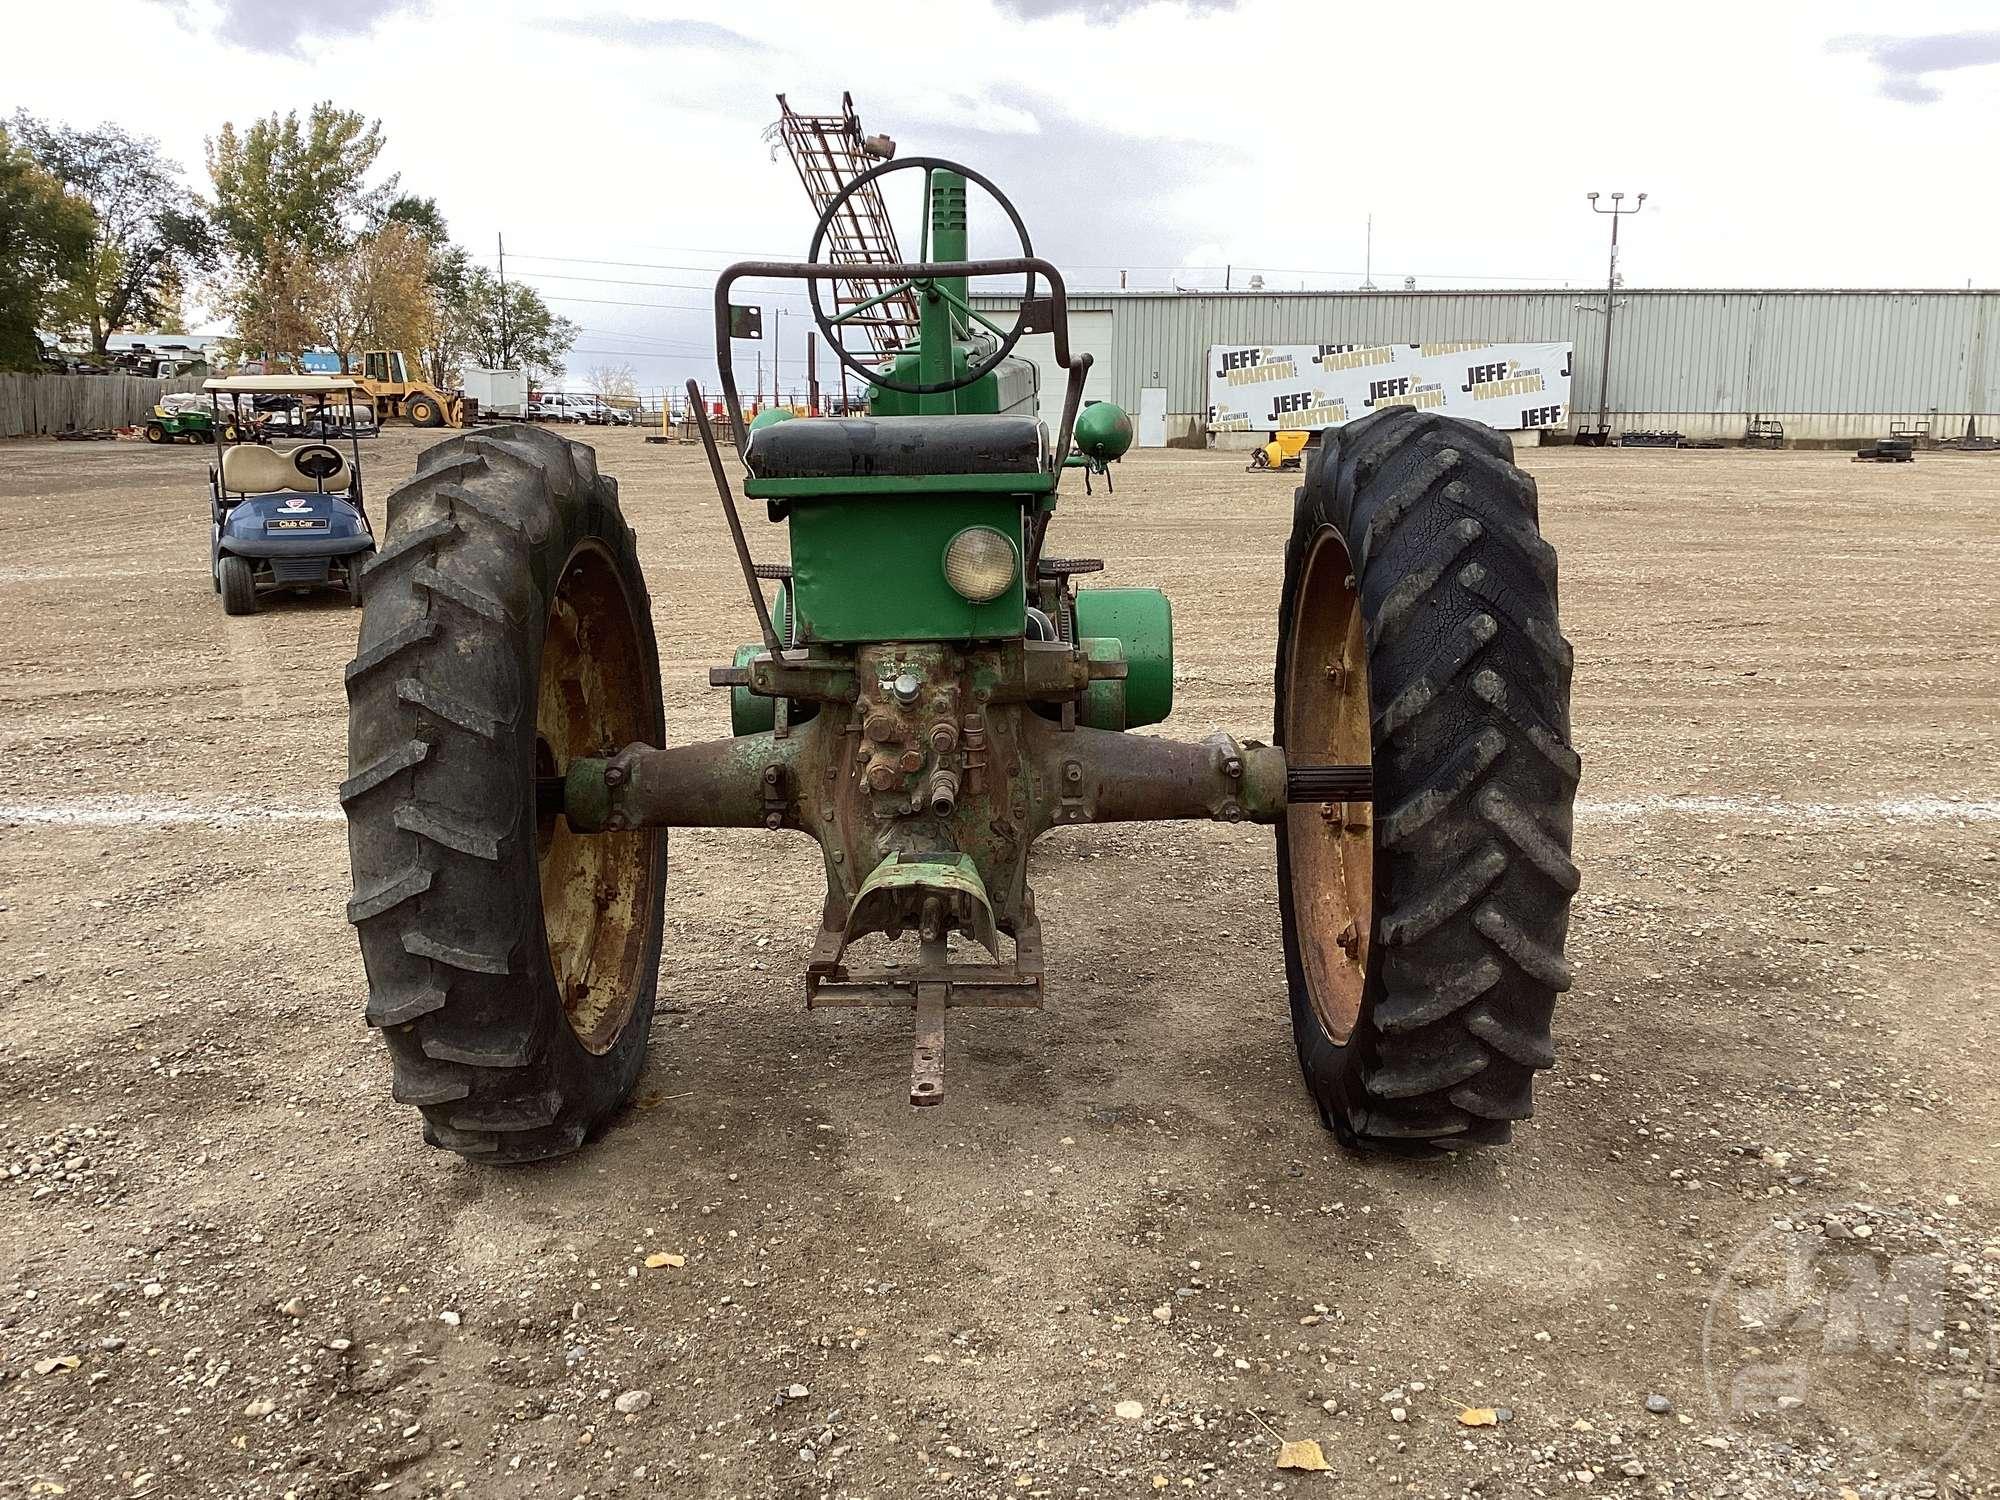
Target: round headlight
[(979, 563)]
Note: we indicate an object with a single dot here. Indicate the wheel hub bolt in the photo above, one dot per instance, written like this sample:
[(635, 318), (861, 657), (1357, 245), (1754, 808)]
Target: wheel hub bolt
[(614, 775)]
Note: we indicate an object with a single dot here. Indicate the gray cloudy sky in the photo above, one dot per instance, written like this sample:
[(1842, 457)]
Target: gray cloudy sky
[(619, 145)]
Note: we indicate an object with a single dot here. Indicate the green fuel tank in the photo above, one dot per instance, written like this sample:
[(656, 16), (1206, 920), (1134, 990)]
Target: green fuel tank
[(1103, 432)]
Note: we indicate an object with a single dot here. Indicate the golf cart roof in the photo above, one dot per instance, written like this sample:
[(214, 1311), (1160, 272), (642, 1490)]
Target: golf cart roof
[(281, 385)]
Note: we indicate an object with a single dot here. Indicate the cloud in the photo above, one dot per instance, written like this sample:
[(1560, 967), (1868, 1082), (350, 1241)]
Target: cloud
[(1094, 198), (668, 33), (1906, 60), (1101, 12), (285, 30)]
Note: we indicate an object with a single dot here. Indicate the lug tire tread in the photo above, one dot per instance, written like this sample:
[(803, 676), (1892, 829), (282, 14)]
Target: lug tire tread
[(1475, 777)]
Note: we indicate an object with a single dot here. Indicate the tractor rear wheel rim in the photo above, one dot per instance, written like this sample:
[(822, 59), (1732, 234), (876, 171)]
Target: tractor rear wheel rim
[(1331, 844), (596, 889)]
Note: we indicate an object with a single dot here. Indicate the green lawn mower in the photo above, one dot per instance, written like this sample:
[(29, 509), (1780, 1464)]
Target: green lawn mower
[(931, 691), (172, 424)]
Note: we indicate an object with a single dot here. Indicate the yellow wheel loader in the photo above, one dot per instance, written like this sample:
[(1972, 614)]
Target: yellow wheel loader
[(386, 377)]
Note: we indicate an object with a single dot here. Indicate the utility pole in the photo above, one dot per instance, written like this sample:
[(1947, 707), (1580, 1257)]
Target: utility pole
[(500, 243), (1368, 258), (1610, 301), (812, 374)]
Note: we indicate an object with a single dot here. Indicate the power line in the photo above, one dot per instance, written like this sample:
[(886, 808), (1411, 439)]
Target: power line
[(648, 265), (683, 286)]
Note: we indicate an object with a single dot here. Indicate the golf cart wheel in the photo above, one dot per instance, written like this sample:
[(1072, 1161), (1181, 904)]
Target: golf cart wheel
[(505, 633), (1418, 632), (155, 433), (238, 585), (423, 412)]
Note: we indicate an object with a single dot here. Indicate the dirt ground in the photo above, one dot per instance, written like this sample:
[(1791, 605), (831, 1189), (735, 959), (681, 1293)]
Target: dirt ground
[(1761, 1184)]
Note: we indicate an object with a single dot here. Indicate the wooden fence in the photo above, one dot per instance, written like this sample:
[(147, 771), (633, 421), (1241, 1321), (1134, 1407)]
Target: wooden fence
[(47, 404)]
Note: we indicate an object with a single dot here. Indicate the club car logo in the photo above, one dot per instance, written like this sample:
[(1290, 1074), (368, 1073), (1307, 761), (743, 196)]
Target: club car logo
[(1255, 366), (1333, 357), (298, 505)]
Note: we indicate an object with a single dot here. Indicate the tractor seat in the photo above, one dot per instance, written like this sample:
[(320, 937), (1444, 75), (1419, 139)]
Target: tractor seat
[(866, 447), (256, 470)]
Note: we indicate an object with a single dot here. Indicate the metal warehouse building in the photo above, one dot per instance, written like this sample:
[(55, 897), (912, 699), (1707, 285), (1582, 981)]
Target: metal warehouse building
[(1831, 365)]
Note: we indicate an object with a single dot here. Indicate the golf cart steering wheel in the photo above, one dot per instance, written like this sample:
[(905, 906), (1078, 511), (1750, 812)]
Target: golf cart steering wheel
[(830, 324), (317, 461)]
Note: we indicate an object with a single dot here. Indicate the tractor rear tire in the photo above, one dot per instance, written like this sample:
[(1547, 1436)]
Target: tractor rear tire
[(423, 412), (238, 585), (506, 631), (1417, 579)]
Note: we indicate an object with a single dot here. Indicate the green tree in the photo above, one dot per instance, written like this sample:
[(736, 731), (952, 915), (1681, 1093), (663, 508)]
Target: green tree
[(447, 327), (149, 235), (290, 201), (419, 214), (45, 246), (512, 328)]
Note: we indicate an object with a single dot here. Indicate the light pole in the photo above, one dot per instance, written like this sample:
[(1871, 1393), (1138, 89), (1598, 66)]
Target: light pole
[(1610, 300)]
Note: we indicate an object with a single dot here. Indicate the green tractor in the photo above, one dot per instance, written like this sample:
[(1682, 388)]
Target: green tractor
[(931, 691)]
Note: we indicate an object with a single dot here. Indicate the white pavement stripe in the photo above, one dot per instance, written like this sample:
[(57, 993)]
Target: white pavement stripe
[(120, 813), (134, 812), (1885, 810)]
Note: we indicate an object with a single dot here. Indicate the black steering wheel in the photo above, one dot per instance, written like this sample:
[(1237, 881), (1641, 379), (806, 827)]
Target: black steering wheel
[(317, 461), (830, 324)]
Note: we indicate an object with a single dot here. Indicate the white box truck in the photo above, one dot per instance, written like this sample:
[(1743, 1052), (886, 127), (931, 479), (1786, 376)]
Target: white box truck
[(501, 393)]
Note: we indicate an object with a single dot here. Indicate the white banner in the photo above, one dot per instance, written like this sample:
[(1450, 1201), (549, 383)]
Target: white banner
[(1279, 387)]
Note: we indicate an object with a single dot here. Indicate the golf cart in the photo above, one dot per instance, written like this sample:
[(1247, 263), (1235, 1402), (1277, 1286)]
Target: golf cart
[(284, 518)]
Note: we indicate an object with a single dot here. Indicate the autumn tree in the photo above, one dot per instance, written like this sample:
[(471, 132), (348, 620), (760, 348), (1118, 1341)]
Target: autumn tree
[(149, 235), (375, 294), (291, 200)]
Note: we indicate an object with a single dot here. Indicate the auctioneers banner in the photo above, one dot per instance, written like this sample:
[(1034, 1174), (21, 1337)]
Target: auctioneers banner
[(1271, 388)]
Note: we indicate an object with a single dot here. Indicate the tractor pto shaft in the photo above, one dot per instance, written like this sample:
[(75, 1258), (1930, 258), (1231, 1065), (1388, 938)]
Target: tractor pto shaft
[(1329, 783)]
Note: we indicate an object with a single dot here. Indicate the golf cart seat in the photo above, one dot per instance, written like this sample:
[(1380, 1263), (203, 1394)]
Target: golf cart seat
[(852, 447), (250, 468)]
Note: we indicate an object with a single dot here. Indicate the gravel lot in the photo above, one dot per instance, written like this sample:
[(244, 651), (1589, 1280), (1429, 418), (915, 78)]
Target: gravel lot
[(1124, 1258)]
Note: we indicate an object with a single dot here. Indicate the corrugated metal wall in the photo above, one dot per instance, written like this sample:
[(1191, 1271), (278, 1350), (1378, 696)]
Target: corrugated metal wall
[(1674, 352)]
